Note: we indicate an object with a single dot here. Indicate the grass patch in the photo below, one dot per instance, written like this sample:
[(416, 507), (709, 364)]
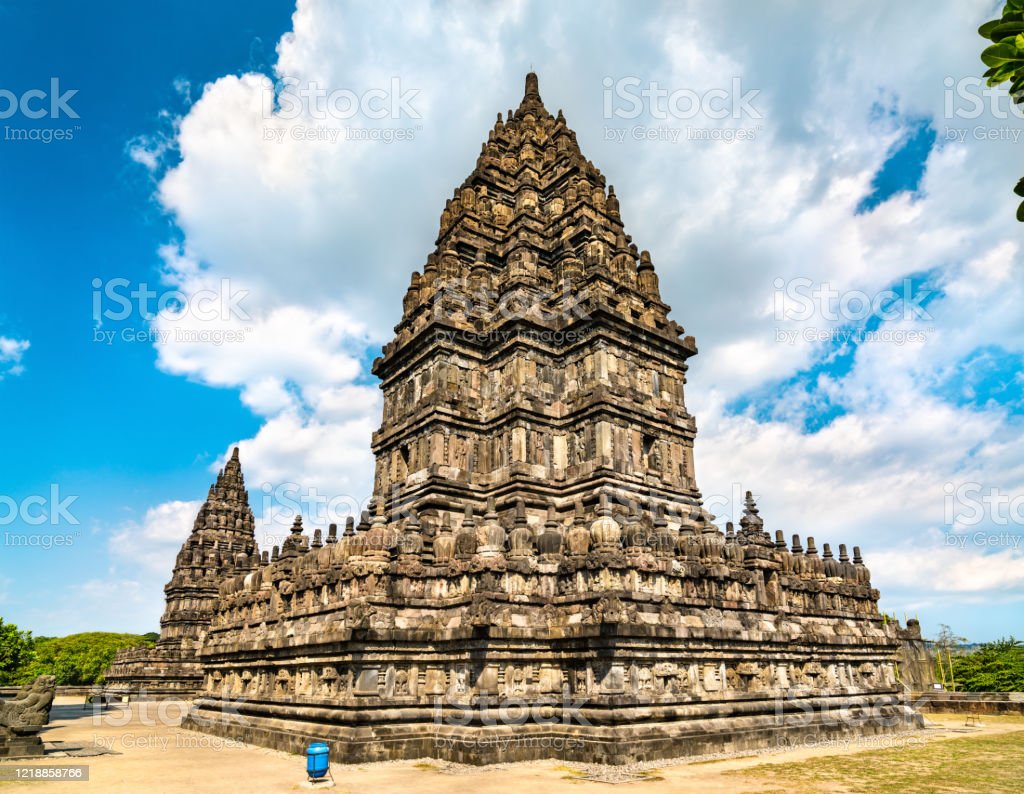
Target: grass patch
[(972, 763), (571, 771), (425, 767)]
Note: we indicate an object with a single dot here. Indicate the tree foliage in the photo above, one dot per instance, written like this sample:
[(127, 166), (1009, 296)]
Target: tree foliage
[(15, 650), (1005, 59), (76, 659), (994, 667)]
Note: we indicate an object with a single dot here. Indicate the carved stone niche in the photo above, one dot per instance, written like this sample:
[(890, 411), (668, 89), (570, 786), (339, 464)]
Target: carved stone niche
[(368, 681), (435, 681), (403, 683), (460, 686), (329, 681), (711, 677), (613, 679), (581, 680), (487, 682), (669, 678)]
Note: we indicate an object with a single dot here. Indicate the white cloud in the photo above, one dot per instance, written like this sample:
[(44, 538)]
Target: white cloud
[(11, 352), (153, 542)]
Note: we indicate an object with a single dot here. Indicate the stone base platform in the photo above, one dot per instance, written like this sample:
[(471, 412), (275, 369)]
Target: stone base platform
[(644, 732), (20, 745)]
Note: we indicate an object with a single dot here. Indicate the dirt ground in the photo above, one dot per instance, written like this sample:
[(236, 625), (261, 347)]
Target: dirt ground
[(143, 750)]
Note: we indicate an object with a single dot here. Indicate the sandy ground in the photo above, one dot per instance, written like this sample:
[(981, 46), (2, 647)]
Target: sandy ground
[(144, 751)]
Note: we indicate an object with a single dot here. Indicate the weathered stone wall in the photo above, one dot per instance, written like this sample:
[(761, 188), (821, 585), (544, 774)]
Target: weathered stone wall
[(970, 702)]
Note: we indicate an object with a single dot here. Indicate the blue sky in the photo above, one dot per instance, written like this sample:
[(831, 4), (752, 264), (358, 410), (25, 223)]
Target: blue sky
[(853, 175), (101, 421)]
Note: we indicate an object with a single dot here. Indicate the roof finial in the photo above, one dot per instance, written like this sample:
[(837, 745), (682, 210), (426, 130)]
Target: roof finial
[(532, 85)]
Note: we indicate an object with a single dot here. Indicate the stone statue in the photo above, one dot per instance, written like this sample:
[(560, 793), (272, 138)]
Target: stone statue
[(22, 718)]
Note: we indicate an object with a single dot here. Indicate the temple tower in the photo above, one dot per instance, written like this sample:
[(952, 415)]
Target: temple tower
[(222, 544), (535, 358)]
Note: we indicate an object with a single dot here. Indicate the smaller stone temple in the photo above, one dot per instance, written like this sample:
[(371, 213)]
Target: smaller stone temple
[(222, 544), (24, 716)]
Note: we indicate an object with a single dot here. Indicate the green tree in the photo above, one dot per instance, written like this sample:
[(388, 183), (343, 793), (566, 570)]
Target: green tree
[(15, 650), (994, 667), (1005, 59), (78, 658)]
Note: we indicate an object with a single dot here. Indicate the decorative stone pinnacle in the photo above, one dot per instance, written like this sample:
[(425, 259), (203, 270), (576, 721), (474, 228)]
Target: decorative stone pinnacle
[(552, 521), (532, 86)]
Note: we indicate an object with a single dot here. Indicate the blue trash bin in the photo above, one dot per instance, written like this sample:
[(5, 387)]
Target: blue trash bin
[(318, 760)]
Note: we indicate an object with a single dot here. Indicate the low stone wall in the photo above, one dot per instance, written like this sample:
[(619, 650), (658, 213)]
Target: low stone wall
[(62, 691), (970, 702)]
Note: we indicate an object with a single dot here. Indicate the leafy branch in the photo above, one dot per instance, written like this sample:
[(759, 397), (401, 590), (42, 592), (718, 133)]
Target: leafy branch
[(1005, 59)]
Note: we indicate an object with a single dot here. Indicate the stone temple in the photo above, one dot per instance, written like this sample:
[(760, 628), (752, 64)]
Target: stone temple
[(536, 577)]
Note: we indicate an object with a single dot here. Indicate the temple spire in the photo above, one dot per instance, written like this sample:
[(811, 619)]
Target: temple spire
[(531, 98), (532, 87)]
